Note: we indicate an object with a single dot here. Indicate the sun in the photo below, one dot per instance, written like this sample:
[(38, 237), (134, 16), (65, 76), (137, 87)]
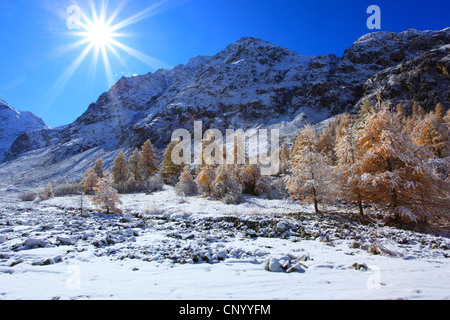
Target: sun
[(99, 34)]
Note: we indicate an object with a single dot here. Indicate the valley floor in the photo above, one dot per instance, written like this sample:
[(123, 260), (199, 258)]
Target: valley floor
[(169, 247)]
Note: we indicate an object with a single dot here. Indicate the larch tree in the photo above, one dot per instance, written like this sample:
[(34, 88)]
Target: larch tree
[(106, 197), (348, 156), (226, 184), (248, 177), (186, 185), (205, 179), (148, 160), (134, 166), (285, 157), (119, 171), (170, 170), (310, 172), (365, 111), (440, 110), (89, 181), (400, 112), (447, 117), (98, 168), (327, 141), (433, 132), (417, 112), (395, 175)]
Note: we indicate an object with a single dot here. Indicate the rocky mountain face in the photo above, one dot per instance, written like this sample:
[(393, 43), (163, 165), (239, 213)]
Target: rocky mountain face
[(14, 123), (250, 84)]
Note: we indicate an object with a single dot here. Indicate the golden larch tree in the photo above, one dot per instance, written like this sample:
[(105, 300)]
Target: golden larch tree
[(89, 181), (310, 172), (285, 157), (170, 170), (119, 171), (348, 156), (205, 179), (106, 197), (148, 160), (134, 166), (98, 168), (395, 175)]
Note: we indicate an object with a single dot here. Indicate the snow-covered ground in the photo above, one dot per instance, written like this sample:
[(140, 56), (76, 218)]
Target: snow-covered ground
[(170, 247)]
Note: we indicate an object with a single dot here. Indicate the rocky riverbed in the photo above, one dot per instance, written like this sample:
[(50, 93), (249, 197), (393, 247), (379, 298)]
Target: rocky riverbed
[(262, 238)]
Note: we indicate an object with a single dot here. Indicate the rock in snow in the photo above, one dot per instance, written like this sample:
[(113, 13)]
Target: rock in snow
[(209, 255)]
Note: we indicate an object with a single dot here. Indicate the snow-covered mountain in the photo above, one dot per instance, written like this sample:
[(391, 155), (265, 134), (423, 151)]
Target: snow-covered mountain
[(251, 83), (14, 123)]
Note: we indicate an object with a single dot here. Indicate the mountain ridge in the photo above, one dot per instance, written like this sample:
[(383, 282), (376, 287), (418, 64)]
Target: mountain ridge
[(252, 83)]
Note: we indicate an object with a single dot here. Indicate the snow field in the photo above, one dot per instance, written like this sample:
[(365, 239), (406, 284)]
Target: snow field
[(170, 247)]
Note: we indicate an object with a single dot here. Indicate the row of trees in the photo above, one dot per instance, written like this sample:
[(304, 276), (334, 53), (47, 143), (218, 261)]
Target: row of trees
[(379, 157), (132, 174)]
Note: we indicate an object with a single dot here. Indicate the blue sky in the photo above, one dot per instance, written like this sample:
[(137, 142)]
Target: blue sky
[(37, 56)]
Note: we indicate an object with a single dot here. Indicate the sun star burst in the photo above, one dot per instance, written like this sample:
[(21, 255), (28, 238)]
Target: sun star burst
[(100, 34)]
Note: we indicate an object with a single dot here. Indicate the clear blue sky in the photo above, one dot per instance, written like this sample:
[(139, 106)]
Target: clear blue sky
[(35, 60)]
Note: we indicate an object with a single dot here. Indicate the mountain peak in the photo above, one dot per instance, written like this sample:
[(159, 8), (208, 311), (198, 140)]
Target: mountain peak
[(13, 123), (251, 42), (4, 105)]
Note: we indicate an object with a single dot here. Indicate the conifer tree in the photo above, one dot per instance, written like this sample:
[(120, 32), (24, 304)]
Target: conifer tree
[(394, 171), (106, 197), (249, 176), (348, 154), (309, 170), (148, 160), (400, 112), (226, 184), (366, 110), (169, 170), (120, 170), (327, 140), (90, 181), (433, 132), (285, 157), (134, 166), (417, 112), (205, 179), (98, 168), (440, 111), (447, 118), (186, 186)]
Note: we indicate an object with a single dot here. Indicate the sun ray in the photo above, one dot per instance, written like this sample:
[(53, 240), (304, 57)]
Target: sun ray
[(118, 56), (150, 61), (61, 82), (108, 70), (66, 48), (144, 14)]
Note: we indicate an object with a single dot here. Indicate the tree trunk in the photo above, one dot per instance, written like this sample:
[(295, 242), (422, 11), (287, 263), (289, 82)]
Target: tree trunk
[(316, 207), (360, 206)]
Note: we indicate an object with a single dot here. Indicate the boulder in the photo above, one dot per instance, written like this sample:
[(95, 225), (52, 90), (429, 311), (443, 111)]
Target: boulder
[(65, 241), (297, 267), (273, 265)]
